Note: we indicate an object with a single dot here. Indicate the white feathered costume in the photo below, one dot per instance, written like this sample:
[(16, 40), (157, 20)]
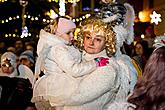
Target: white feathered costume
[(124, 33)]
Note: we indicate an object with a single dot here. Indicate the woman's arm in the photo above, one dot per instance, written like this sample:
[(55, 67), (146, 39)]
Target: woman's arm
[(94, 86)]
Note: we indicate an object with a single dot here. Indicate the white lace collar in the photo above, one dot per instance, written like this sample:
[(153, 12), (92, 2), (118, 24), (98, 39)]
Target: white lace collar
[(88, 56)]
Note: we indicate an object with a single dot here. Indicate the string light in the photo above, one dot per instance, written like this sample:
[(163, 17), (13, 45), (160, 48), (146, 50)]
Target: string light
[(6, 20), (17, 17), (16, 35), (24, 3), (10, 18), (73, 1), (32, 18), (142, 36), (70, 1), (44, 20), (3, 21), (36, 18), (28, 16), (25, 16), (3, 1)]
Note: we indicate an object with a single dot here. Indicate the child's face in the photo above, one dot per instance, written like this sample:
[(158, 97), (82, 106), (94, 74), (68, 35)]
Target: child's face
[(26, 62), (7, 69), (69, 36)]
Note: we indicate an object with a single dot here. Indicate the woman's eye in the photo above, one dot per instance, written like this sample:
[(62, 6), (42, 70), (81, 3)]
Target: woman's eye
[(87, 37), (99, 40)]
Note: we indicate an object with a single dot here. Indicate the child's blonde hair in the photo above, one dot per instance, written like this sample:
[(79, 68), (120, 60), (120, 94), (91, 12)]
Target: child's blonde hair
[(51, 28)]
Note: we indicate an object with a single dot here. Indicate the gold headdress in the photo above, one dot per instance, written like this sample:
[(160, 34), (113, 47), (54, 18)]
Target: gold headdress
[(6, 62), (8, 59)]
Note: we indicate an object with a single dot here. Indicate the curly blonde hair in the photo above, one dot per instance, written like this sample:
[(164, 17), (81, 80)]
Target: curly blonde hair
[(101, 28)]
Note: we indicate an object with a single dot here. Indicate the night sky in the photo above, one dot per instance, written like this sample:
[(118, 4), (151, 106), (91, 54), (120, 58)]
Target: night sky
[(38, 8)]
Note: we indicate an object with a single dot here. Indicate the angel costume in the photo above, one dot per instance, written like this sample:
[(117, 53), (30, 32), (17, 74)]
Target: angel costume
[(121, 17)]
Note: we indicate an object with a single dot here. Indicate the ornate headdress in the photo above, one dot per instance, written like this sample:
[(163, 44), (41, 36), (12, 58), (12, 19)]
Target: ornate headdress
[(159, 41), (112, 13), (99, 28), (121, 18)]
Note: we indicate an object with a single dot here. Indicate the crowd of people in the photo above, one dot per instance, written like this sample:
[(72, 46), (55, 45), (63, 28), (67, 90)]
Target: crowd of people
[(16, 76), (89, 71)]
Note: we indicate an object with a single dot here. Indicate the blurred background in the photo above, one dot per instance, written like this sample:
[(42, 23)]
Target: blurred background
[(24, 18)]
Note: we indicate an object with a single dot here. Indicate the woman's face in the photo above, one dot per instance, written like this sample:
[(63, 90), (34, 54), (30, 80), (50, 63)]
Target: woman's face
[(68, 36), (93, 43), (139, 49)]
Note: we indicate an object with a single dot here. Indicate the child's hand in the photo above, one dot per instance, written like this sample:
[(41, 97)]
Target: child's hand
[(101, 61)]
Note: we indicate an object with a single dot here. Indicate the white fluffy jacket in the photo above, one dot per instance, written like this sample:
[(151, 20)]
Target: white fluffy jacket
[(61, 64)]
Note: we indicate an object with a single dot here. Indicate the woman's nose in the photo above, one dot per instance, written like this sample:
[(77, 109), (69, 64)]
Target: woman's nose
[(91, 42)]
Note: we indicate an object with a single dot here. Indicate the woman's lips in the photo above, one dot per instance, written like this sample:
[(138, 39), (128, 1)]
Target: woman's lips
[(90, 47)]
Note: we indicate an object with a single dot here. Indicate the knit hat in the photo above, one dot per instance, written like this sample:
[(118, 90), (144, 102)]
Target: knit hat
[(9, 59), (64, 26), (28, 54)]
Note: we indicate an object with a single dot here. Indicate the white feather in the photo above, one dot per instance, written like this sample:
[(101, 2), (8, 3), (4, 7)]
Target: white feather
[(129, 23), (26, 72), (121, 105), (110, 18), (121, 34)]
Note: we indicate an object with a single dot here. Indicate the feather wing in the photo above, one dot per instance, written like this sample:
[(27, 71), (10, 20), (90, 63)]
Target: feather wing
[(129, 22)]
